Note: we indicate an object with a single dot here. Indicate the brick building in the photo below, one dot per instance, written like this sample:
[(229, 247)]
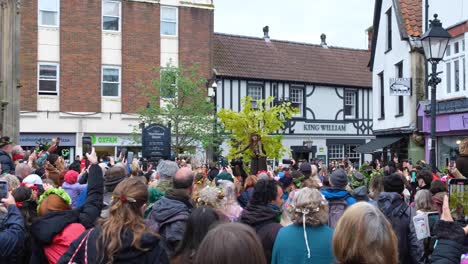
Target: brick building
[(83, 63)]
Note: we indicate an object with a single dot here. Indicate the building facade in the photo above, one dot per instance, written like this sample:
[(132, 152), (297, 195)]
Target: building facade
[(84, 64), (452, 92), (331, 87), (398, 80)]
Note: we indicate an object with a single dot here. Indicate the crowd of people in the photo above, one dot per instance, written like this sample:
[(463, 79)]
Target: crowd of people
[(178, 212)]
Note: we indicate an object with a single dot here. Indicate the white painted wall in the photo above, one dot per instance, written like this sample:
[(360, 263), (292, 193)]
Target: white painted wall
[(48, 44), (112, 48), (385, 61), (169, 51), (325, 103)]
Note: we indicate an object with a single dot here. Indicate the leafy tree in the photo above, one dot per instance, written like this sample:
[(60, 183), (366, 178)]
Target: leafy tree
[(177, 97), (264, 120)]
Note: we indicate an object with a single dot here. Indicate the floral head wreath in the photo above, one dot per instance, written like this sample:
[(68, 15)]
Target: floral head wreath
[(220, 197), (57, 191)]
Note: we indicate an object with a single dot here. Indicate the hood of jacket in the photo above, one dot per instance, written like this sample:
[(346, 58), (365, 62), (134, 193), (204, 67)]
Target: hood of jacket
[(389, 201), (255, 215), (168, 207), (333, 194), (45, 228)]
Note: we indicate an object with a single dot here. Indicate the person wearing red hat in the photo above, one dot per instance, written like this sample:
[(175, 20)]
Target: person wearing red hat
[(72, 187)]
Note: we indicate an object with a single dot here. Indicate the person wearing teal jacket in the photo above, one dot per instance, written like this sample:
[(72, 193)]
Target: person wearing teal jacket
[(308, 239)]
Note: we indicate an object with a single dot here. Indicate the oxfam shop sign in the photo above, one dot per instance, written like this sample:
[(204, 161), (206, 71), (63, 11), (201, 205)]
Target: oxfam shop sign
[(112, 140)]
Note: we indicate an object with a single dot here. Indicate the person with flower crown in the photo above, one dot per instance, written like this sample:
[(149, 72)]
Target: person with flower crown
[(57, 224)]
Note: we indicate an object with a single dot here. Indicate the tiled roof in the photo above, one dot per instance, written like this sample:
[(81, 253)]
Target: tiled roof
[(256, 58), (411, 11)]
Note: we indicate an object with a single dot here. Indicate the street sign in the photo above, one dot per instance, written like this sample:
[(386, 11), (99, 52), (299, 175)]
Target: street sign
[(400, 86), (156, 141)]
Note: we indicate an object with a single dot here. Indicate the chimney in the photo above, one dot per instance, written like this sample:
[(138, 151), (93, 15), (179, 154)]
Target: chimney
[(323, 42), (370, 35), (266, 30)]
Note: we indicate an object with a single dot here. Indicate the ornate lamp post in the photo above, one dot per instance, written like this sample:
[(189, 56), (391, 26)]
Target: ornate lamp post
[(212, 95), (434, 42)]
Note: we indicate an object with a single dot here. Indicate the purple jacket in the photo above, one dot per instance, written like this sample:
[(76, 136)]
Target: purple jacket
[(74, 191)]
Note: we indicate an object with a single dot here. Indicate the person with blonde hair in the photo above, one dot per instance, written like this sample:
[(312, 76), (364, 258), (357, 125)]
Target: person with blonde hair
[(364, 235), (229, 205), (308, 239)]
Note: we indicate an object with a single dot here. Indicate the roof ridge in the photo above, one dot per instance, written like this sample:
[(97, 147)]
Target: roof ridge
[(289, 42)]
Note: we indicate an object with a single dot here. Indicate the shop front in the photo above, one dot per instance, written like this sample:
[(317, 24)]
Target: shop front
[(112, 144), (451, 129), (66, 149)]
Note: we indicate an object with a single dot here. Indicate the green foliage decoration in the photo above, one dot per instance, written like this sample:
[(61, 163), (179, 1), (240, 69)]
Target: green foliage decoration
[(265, 119)]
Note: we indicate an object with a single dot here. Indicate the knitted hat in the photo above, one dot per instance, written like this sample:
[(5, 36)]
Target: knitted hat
[(393, 183), (339, 178), (54, 199), (223, 176), (71, 177)]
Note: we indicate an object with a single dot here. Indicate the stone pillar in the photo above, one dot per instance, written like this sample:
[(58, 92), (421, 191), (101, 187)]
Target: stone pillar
[(9, 68)]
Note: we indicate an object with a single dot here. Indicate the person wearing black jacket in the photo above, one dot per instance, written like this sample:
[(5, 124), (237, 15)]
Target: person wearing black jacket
[(452, 238), (46, 227), (13, 232), (6, 162), (263, 213)]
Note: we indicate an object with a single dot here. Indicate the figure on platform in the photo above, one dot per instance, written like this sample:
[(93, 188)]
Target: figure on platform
[(258, 160)]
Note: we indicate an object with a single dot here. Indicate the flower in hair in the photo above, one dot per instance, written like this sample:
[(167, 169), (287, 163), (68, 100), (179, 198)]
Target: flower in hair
[(124, 199)]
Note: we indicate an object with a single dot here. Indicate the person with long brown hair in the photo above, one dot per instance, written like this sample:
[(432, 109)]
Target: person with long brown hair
[(123, 237), (364, 235), (232, 243)]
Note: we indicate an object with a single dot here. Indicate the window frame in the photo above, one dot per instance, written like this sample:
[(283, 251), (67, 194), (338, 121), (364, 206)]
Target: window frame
[(382, 95), (298, 87), (389, 30), (39, 15), (113, 67), (255, 85), (450, 69), (400, 109), (57, 79), (176, 21), (119, 17), (355, 94)]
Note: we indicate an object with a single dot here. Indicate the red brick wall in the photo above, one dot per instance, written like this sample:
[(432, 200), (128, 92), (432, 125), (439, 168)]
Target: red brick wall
[(80, 56), (140, 51), (196, 39), (28, 55)]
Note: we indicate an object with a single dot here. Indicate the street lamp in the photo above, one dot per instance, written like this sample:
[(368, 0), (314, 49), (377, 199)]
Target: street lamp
[(212, 95), (434, 42)]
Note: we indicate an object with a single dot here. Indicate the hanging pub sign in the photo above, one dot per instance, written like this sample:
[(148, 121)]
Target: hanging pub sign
[(400, 86), (156, 141)]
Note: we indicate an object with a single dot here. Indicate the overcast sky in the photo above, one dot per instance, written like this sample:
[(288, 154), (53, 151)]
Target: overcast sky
[(343, 21)]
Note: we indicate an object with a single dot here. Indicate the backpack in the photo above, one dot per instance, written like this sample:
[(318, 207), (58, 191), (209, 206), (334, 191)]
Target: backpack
[(336, 210)]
